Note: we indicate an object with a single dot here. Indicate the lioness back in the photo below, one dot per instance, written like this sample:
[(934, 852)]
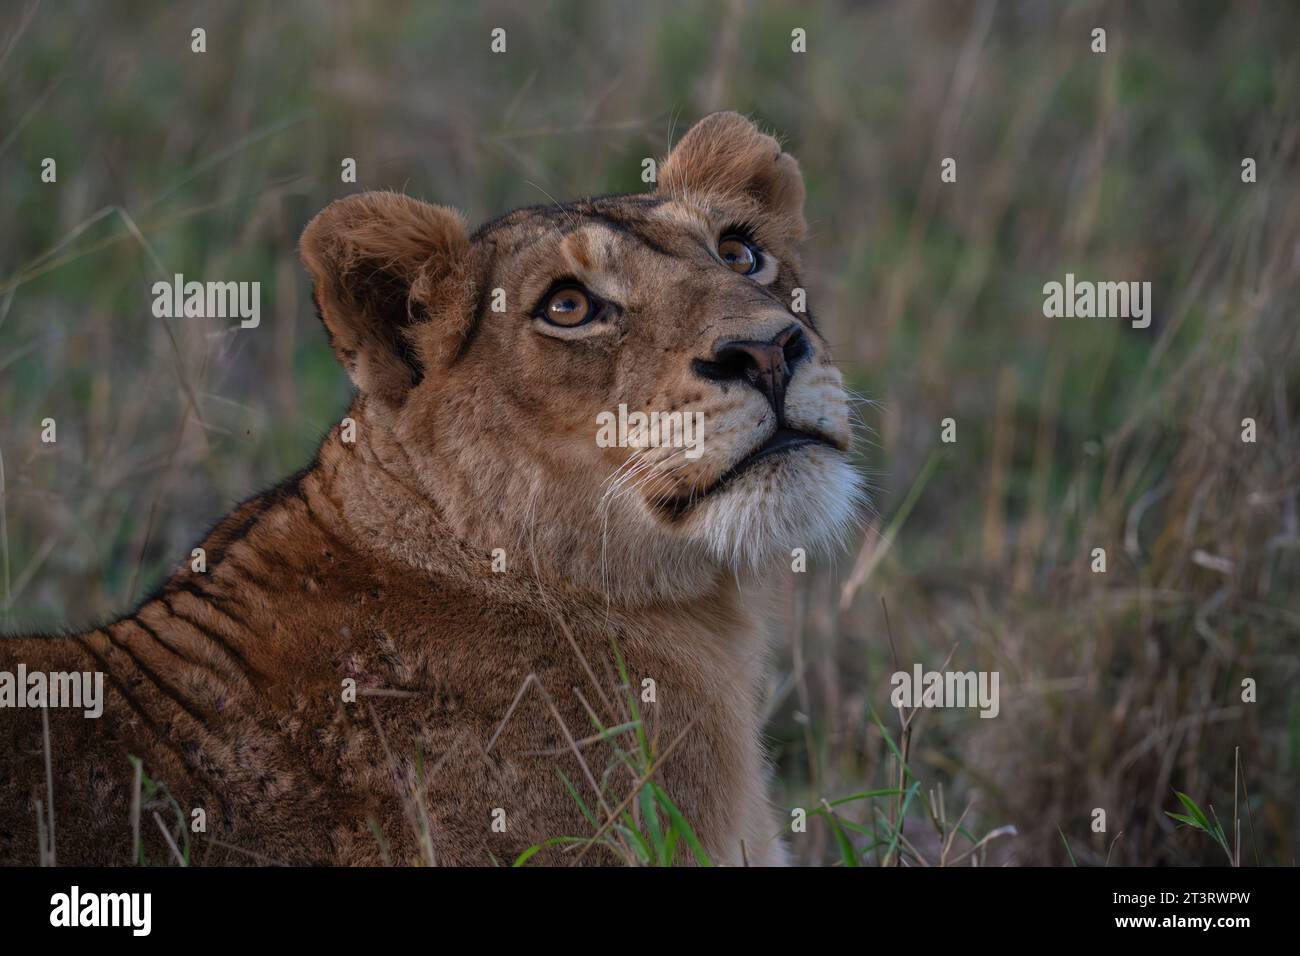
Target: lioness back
[(232, 688)]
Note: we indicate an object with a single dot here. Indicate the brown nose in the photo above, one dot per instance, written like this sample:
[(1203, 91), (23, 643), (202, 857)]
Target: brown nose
[(767, 366)]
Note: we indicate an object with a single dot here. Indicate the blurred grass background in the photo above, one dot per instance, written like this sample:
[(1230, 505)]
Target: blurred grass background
[(1071, 434)]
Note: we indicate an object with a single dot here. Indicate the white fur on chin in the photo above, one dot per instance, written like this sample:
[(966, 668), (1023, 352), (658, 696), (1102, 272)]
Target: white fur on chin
[(807, 498)]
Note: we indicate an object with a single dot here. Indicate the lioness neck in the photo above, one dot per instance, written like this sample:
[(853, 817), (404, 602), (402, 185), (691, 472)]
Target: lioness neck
[(336, 637)]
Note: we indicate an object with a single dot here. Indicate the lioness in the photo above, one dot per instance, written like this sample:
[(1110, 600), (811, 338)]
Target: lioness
[(404, 652)]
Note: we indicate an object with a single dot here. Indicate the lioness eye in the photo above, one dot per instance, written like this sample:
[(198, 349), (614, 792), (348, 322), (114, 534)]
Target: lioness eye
[(739, 255), (567, 307)]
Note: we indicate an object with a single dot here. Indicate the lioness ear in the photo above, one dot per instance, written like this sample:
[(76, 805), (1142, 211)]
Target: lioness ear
[(384, 265), (725, 156)]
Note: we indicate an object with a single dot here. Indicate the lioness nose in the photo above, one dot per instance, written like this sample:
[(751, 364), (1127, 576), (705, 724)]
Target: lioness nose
[(767, 366)]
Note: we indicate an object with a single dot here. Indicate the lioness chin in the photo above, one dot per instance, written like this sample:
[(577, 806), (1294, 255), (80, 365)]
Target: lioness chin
[(404, 652)]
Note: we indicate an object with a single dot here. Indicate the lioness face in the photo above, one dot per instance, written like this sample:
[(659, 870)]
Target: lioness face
[(627, 391)]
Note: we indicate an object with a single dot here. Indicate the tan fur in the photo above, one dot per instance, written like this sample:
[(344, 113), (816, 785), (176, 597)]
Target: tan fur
[(475, 431)]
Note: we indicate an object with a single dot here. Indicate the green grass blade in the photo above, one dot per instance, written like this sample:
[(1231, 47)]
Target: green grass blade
[(848, 855), (577, 798), (538, 847), (680, 825), (1202, 821), (1068, 851), (650, 820)]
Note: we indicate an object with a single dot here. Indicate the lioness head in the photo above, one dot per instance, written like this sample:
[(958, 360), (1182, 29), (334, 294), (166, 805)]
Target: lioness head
[(627, 394)]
